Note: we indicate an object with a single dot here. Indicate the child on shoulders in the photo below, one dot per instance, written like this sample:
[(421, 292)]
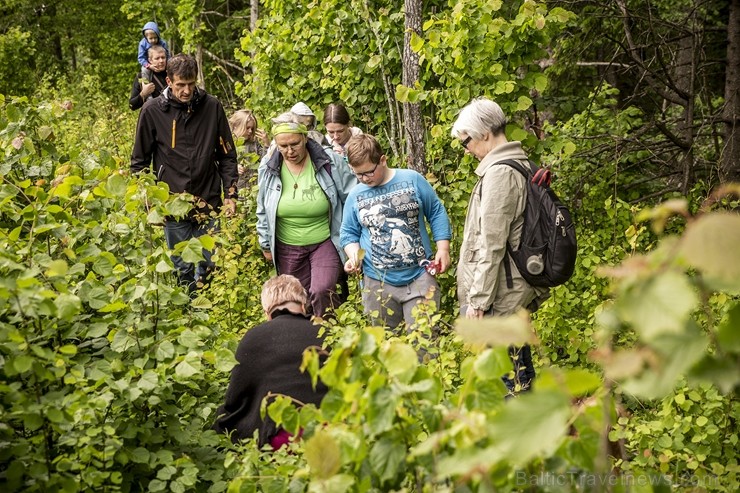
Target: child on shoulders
[(151, 36)]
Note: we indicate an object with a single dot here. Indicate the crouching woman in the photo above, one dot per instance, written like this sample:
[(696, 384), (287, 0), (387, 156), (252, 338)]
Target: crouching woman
[(270, 357)]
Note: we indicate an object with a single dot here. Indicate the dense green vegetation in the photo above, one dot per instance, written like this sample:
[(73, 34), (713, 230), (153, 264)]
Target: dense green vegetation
[(110, 375)]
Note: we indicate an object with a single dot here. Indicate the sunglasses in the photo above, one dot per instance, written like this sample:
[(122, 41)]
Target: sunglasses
[(466, 142)]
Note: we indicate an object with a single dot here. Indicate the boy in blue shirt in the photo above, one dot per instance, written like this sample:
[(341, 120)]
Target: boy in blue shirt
[(151, 36), (384, 215)]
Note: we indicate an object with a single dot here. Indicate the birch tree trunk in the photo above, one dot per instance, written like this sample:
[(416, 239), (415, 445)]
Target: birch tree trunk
[(414, 125)]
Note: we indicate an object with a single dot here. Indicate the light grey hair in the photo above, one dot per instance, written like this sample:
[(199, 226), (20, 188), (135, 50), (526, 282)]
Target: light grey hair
[(479, 117), (281, 290)]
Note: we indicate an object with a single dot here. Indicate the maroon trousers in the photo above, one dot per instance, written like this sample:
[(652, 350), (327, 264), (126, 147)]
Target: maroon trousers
[(318, 267)]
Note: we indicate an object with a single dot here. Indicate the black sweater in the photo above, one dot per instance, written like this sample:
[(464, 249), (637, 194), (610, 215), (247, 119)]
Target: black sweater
[(269, 357)]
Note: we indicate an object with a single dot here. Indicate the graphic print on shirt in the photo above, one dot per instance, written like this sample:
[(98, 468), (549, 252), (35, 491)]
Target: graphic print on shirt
[(391, 215), (310, 192)]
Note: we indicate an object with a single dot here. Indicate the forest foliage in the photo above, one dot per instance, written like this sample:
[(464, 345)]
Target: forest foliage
[(111, 375)]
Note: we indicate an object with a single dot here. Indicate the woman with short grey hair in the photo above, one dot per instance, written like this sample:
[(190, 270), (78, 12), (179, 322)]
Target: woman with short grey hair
[(479, 117), (488, 282)]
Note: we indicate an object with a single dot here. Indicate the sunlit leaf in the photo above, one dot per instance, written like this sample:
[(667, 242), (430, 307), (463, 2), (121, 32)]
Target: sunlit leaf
[(497, 331), (710, 244), (660, 305), (322, 454), (399, 359)]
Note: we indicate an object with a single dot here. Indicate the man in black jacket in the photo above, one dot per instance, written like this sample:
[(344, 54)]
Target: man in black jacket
[(185, 134), (270, 357)]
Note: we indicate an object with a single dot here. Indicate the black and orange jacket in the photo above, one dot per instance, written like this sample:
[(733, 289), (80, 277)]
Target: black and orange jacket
[(189, 145)]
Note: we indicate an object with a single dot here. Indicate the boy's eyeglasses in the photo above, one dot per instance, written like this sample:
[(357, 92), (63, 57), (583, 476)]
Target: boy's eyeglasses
[(466, 141), (368, 174)]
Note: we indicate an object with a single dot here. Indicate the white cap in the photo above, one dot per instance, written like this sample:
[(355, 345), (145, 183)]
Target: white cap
[(301, 109)]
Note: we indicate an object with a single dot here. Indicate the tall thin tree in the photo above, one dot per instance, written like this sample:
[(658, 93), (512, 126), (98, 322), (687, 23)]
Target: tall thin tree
[(414, 125)]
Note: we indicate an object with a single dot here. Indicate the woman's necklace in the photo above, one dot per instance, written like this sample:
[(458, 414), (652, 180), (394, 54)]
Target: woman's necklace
[(295, 177)]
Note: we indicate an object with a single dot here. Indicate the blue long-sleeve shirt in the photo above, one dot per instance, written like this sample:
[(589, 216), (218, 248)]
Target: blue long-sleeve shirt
[(388, 221)]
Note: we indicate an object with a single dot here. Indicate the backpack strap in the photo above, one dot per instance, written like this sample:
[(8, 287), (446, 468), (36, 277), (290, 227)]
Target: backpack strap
[(526, 173), (509, 250)]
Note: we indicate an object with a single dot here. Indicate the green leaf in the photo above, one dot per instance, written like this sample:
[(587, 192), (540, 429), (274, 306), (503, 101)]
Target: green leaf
[(382, 410), (225, 359), (529, 426), (165, 351), (98, 297), (68, 349), (113, 307), (57, 268), (399, 359), (68, 306), (54, 415), (190, 366), (660, 305), (139, 455), (116, 185), (193, 251), (728, 332), (189, 339), (417, 42), (523, 103), (322, 454), (497, 331), (387, 458), (208, 242), (163, 266), (677, 353), (491, 364), (148, 381), (519, 134), (157, 485), (179, 206), (710, 244), (33, 421), (576, 381), (22, 363)]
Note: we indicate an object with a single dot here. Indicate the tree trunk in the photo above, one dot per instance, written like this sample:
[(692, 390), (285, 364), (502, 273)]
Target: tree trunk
[(731, 153), (685, 80), (199, 59), (254, 13), (415, 154)]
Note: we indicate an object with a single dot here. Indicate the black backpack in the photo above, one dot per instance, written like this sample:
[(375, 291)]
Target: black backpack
[(547, 250)]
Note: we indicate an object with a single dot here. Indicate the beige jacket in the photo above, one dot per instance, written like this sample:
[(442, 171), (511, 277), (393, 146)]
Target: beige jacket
[(495, 214)]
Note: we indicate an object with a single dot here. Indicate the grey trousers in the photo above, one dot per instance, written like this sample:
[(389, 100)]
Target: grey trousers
[(391, 305)]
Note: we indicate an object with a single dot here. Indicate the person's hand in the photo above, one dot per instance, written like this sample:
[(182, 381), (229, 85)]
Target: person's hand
[(355, 256), (442, 259), (352, 266), (261, 135), (241, 169), (267, 254), (338, 149), (147, 89), (229, 207), (473, 313)]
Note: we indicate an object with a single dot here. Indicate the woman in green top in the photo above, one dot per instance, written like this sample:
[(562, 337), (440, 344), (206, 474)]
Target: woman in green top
[(302, 189)]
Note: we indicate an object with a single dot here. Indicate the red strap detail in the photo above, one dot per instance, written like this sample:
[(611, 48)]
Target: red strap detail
[(543, 177)]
